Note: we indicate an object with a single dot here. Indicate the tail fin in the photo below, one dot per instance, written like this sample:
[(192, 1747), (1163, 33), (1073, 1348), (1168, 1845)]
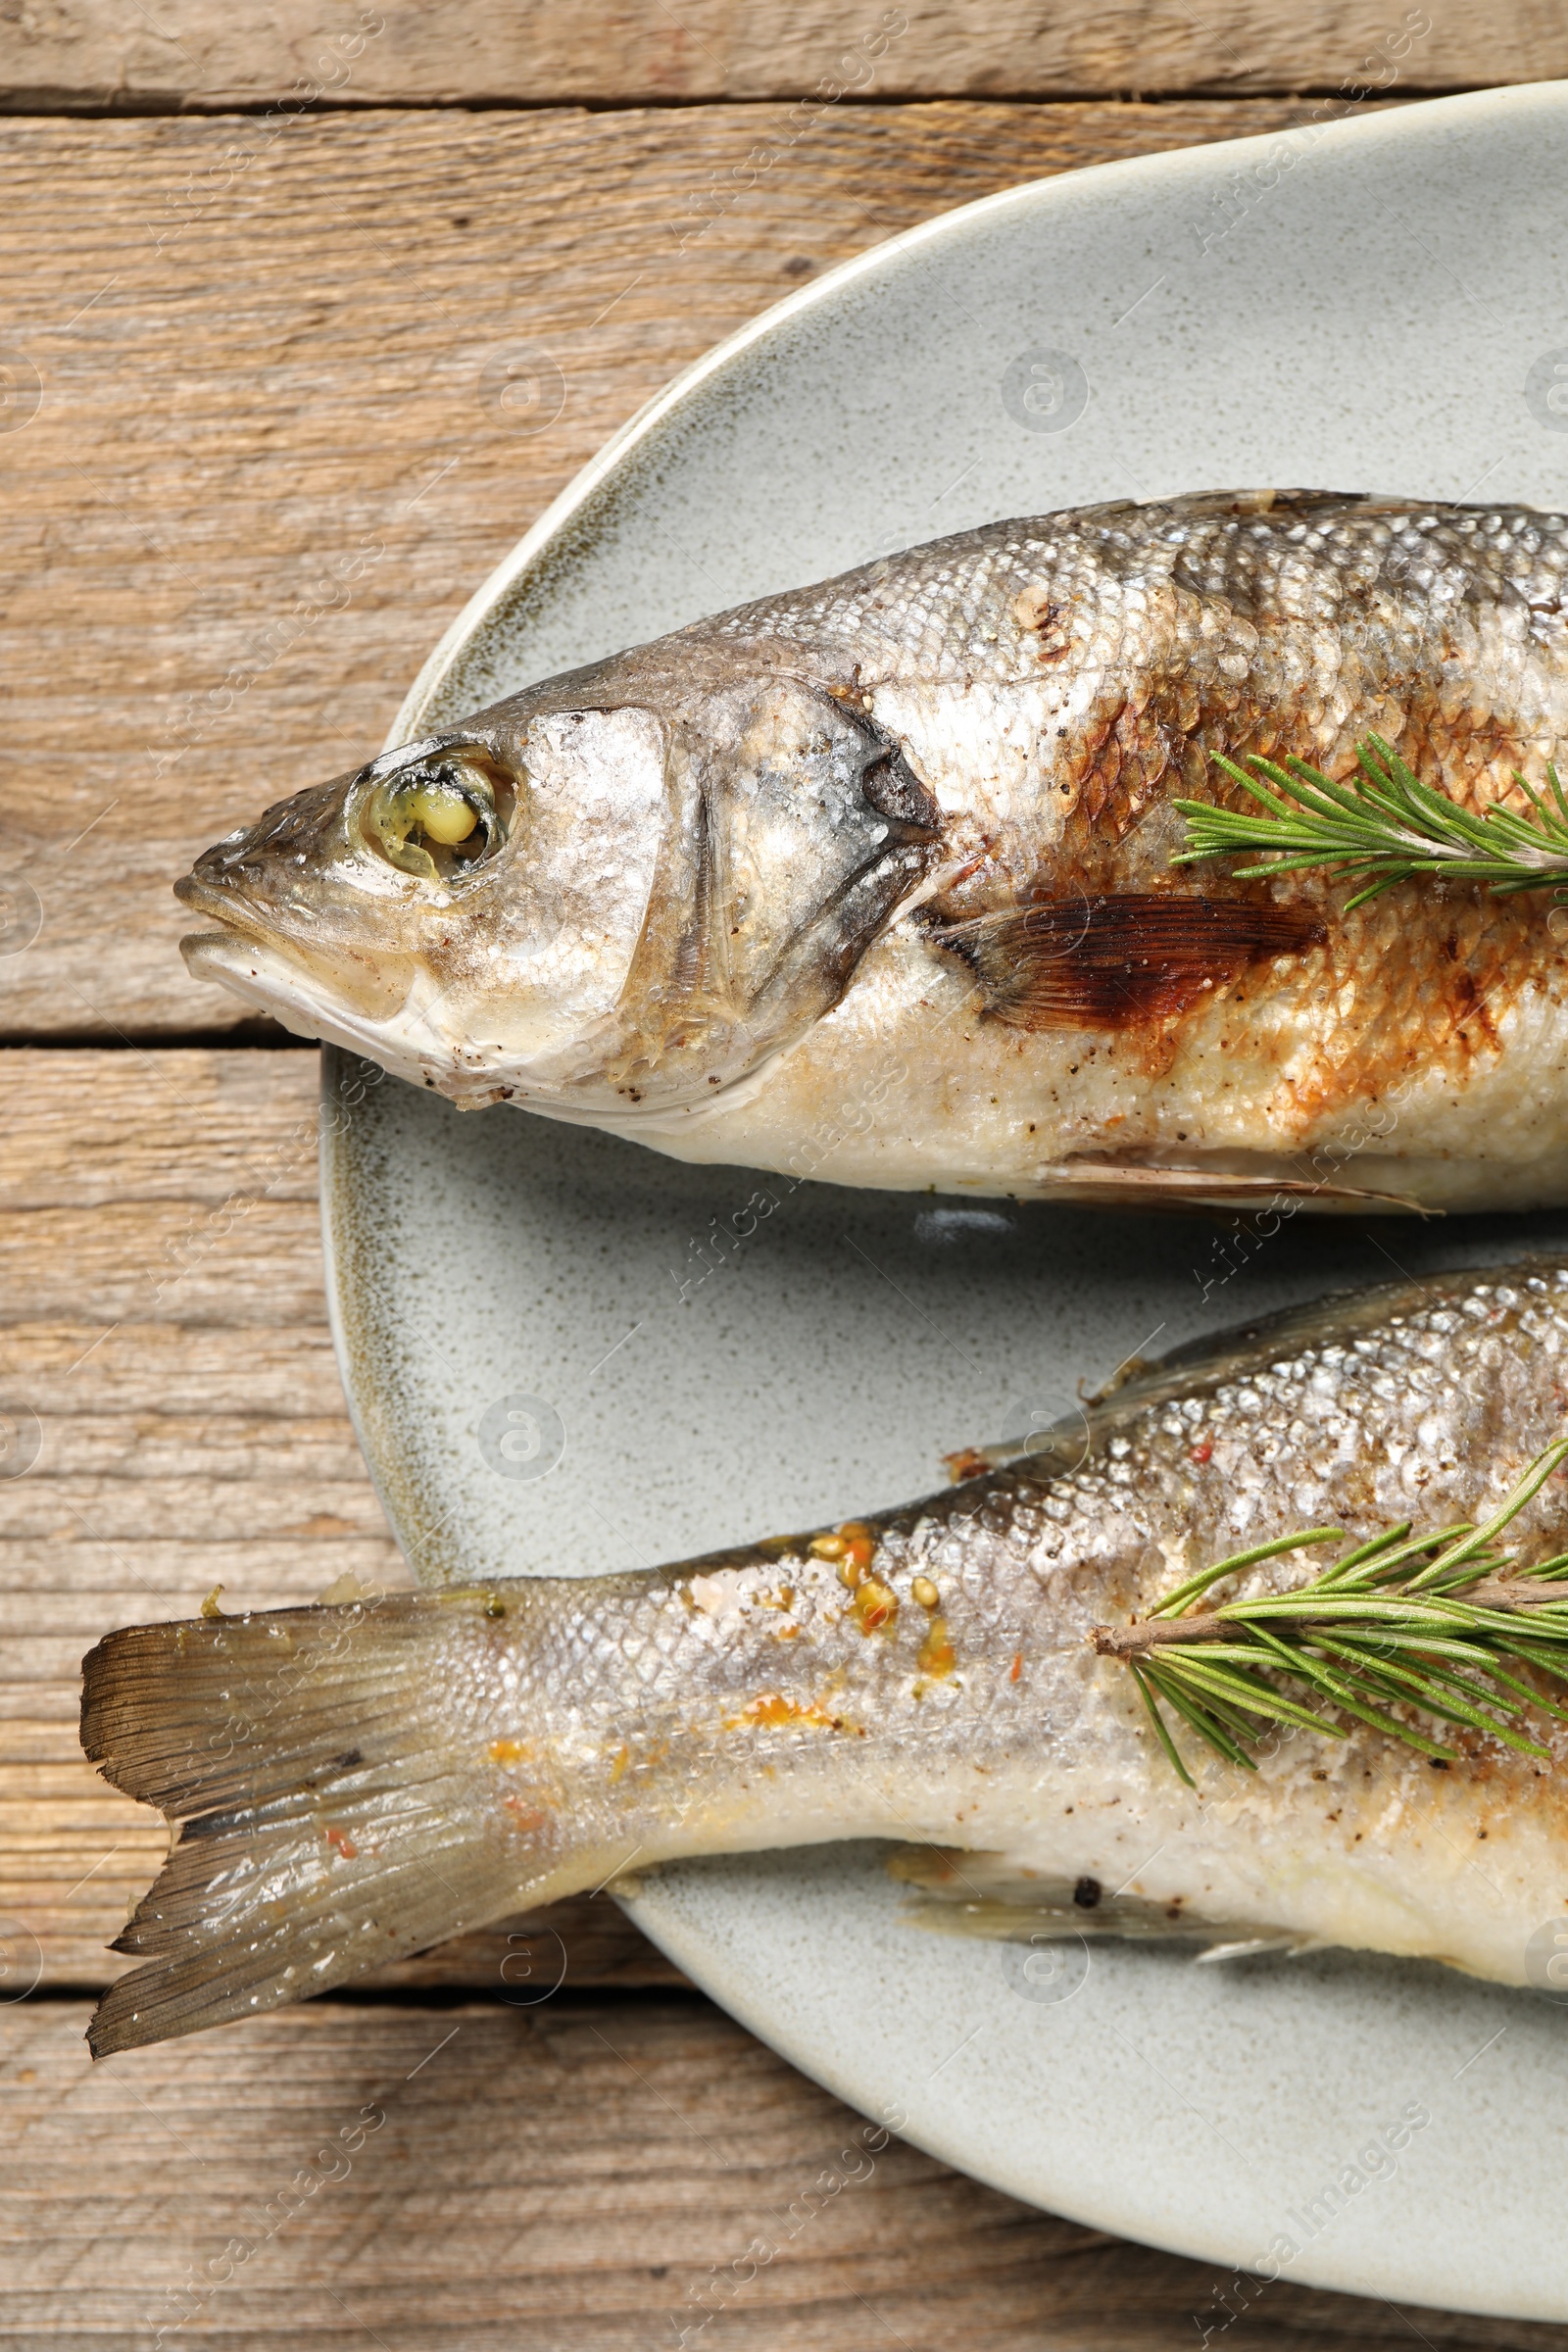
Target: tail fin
[(327, 1816)]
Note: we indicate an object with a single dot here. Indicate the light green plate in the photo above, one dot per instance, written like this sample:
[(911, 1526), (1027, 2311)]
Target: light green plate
[(564, 1351)]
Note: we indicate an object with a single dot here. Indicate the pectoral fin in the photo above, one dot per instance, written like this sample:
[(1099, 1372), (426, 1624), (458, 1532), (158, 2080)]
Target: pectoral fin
[(1118, 961)]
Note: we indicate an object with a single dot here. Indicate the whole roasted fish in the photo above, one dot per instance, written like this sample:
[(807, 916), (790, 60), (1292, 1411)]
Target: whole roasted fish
[(873, 881), (356, 1781)]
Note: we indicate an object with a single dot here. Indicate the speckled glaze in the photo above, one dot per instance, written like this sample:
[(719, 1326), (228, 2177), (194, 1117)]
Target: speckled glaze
[(798, 1378)]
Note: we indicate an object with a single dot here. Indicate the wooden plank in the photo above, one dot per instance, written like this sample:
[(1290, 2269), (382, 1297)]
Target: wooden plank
[(584, 2177), (162, 1333), (262, 474), (195, 53)]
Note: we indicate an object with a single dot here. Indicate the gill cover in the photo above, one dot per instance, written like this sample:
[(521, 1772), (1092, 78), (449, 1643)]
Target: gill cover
[(794, 828)]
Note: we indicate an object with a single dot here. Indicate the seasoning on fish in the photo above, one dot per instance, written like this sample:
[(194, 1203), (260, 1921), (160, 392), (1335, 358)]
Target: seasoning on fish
[(353, 1782), (875, 880)]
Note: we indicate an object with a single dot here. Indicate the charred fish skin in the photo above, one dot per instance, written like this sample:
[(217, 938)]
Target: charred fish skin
[(889, 859), (356, 1783)]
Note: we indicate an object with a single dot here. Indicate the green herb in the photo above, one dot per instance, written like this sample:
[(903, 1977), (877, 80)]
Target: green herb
[(1435, 1624), (1382, 825)]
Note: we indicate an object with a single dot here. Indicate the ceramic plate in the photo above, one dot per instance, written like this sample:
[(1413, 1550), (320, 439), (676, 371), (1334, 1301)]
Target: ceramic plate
[(560, 1347)]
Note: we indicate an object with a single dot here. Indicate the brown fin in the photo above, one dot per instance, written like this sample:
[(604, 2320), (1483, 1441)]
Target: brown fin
[(1117, 961)]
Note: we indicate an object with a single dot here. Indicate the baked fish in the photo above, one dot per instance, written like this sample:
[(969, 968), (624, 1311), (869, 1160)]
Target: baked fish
[(353, 1782), (873, 881)]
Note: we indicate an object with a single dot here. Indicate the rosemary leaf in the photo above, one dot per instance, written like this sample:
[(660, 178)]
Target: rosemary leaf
[(1381, 826), (1247, 1693), (1428, 1692), (1194, 1584), (1381, 1553), (1202, 1722), (1159, 1723)]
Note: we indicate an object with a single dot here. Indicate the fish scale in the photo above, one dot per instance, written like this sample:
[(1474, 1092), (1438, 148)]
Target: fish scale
[(355, 1781)]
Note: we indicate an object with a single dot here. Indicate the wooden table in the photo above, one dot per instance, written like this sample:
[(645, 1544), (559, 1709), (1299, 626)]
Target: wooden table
[(254, 271)]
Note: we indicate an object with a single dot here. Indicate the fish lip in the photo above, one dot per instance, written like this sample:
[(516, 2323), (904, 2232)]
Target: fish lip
[(224, 903), (255, 952), (222, 953), (261, 923), (260, 972)]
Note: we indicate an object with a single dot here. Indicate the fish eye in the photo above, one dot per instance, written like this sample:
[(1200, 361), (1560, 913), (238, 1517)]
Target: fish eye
[(440, 818)]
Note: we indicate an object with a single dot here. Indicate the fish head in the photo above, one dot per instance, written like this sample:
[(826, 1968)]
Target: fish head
[(605, 903)]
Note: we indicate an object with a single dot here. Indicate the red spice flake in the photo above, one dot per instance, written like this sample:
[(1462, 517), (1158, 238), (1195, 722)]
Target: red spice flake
[(1203, 1451), (1018, 1666), (340, 1841)]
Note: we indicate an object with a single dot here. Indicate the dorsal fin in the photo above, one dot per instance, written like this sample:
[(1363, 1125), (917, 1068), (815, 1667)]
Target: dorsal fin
[(1117, 961)]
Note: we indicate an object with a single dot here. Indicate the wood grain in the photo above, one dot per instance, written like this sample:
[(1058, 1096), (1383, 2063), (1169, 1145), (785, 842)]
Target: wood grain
[(163, 1333), (199, 54), (600, 2177), (262, 474)]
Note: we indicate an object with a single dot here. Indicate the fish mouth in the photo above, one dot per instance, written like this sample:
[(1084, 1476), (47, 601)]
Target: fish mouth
[(282, 979), (256, 940), (238, 917), (272, 884), (225, 908), (249, 953), (273, 982), (255, 968)]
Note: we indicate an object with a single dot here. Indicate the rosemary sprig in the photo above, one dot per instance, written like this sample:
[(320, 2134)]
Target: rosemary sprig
[(1435, 1624), (1382, 825)]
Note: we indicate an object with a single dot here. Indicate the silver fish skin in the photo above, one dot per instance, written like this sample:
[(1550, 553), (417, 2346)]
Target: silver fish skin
[(872, 880), (357, 1781)]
